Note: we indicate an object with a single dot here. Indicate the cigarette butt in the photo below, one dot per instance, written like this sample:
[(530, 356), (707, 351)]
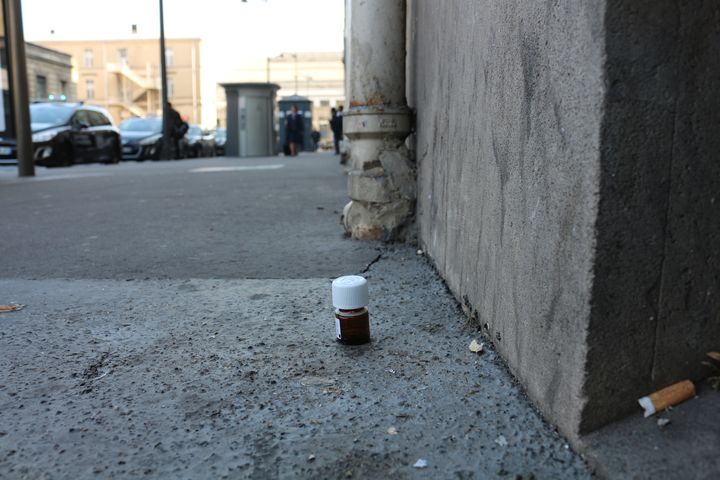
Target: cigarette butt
[(11, 308), (667, 397)]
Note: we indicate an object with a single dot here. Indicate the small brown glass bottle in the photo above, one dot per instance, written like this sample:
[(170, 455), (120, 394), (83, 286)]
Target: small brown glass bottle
[(352, 320)]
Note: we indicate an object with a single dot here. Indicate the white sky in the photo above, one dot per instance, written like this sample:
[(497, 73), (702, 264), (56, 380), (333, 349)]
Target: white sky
[(260, 27), (234, 34)]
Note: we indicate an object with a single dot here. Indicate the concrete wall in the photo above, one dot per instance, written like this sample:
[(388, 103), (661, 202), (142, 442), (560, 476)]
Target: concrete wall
[(509, 102), (548, 133), (656, 298)]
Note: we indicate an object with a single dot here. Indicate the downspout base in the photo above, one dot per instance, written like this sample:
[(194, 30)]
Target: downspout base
[(381, 184)]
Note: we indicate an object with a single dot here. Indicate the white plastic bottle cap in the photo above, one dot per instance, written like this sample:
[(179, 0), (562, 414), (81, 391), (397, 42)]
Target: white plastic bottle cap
[(350, 292)]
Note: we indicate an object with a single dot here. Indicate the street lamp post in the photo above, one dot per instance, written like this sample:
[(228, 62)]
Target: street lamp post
[(20, 97), (166, 144)]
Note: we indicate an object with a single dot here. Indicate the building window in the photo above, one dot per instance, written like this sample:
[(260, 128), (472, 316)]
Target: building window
[(89, 58), (122, 55), (89, 88), (169, 57), (324, 103), (41, 87), (171, 87), (63, 88)]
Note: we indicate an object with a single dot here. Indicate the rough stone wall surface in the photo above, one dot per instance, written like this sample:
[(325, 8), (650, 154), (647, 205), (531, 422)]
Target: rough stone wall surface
[(509, 99), (568, 188), (656, 298)]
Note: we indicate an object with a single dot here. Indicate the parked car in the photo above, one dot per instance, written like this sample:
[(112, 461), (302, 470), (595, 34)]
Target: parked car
[(8, 151), (220, 139), (68, 133), (141, 138), (200, 144)]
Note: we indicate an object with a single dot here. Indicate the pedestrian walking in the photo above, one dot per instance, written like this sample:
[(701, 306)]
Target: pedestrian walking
[(336, 127), (177, 128), (294, 130)]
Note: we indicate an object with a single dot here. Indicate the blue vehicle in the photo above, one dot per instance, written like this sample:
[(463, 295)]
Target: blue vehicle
[(141, 138)]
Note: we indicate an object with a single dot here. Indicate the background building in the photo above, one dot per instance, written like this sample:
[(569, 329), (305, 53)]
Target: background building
[(124, 75), (320, 76), (49, 74)]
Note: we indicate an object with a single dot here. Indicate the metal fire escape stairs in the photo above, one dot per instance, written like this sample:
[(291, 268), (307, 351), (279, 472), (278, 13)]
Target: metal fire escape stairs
[(143, 88)]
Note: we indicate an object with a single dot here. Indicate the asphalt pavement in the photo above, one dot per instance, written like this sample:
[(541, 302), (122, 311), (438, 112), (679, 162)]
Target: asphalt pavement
[(209, 218), (178, 324)]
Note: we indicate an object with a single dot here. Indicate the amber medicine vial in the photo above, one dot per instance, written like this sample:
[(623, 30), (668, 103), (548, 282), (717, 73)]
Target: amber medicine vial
[(350, 299)]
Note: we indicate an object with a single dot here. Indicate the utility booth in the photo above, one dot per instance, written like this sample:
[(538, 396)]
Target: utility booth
[(250, 119), (304, 106)]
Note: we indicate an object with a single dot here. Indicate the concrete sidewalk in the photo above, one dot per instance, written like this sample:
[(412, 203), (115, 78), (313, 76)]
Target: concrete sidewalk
[(242, 379)]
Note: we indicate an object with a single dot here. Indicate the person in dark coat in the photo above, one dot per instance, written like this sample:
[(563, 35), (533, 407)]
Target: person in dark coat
[(176, 128), (336, 129), (294, 130)]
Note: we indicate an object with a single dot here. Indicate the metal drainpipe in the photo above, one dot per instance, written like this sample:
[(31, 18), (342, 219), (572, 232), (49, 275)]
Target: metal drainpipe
[(382, 182)]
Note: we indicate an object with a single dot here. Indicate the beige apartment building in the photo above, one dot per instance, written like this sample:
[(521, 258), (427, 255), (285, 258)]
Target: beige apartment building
[(319, 76), (124, 75)]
